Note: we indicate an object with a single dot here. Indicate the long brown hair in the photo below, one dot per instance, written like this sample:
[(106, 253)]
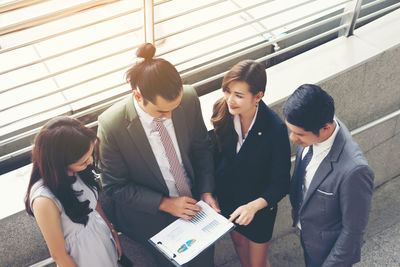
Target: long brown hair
[(63, 141), (248, 71)]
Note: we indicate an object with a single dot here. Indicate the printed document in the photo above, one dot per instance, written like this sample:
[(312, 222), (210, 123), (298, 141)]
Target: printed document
[(183, 240)]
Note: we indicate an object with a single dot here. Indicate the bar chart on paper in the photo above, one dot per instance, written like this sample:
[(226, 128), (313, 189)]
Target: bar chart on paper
[(206, 223), (183, 240)]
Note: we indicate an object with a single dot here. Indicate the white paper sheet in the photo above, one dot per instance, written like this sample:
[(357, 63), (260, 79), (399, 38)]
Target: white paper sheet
[(183, 240)]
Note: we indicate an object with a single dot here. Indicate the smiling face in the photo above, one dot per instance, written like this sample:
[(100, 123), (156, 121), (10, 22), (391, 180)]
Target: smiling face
[(82, 163), (239, 98)]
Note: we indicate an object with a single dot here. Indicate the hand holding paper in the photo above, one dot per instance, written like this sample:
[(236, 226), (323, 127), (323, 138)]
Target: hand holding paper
[(183, 207), (210, 200), (183, 240)]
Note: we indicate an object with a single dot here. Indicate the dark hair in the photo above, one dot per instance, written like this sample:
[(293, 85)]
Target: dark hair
[(310, 108), (248, 71), (154, 76), (63, 141)]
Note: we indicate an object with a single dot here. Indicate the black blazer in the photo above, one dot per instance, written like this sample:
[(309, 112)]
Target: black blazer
[(262, 166)]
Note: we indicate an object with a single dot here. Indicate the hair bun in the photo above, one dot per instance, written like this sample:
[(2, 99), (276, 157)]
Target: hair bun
[(146, 51)]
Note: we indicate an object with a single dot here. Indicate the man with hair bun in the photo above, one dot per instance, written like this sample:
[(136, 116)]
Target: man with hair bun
[(332, 183), (157, 160)]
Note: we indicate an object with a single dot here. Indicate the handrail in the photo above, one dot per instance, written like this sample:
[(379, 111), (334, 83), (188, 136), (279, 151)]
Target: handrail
[(216, 19), (375, 122), (161, 2), (281, 51), (35, 41), (29, 148), (367, 17), (365, 6), (225, 59), (75, 84), (276, 46), (254, 35), (248, 23), (189, 11), (70, 68), (62, 13), (71, 50), (63, 104), (18, 4), (31, 132)]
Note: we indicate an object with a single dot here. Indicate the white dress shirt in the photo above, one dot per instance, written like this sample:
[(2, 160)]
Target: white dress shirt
[(158, 148), (238, 128), (320, 151)]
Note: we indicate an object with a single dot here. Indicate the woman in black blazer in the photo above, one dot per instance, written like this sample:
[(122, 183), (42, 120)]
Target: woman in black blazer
[(252, 155)]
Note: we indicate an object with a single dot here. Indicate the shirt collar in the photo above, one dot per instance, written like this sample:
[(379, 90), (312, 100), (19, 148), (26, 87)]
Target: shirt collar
[(237, 125), (327, 144)]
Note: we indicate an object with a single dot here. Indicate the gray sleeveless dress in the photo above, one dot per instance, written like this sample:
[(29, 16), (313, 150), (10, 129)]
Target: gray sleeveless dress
[(90, 245)]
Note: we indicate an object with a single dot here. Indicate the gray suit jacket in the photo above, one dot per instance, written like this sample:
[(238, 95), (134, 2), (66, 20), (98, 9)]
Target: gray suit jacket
[(335, 210), (131, 175)]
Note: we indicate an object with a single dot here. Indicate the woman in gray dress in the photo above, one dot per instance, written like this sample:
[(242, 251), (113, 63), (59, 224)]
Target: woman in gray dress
[(62, 196)]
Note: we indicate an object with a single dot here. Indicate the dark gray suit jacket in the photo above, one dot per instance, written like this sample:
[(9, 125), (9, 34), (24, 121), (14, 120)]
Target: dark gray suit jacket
[(334, 213), (131, 175)]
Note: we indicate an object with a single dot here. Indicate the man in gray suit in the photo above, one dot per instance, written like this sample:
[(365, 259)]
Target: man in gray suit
[(332, 184), (156, 155)]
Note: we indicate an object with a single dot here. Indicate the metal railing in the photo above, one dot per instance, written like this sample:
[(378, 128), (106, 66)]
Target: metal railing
[(39, 20), (378, 12), (52, 75), (256, 28)]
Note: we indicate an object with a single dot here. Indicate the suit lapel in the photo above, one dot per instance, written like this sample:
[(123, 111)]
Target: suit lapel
[(138, 136), (257, 133), (326, 165), (320, 175), (294, 185)]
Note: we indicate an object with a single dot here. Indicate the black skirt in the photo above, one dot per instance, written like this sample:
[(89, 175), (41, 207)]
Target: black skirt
[(260, 229)]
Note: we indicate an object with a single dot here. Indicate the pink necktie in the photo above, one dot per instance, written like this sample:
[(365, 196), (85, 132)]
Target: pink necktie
[(174, 165)]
